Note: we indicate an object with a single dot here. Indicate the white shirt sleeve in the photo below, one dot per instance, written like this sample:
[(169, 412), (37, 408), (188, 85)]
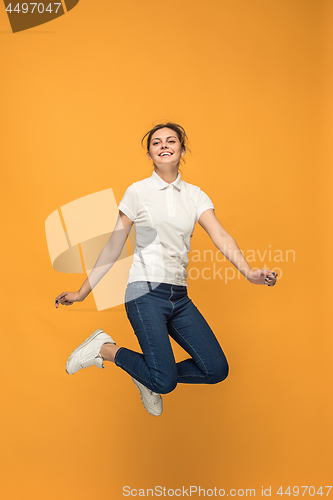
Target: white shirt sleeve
[(129, 203), (203, 203)]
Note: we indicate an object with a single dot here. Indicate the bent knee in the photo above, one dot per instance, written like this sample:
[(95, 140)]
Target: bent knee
[(218, 373), (165, 385)]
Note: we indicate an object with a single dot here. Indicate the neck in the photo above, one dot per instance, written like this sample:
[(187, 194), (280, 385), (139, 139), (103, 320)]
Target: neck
[(168, 176)]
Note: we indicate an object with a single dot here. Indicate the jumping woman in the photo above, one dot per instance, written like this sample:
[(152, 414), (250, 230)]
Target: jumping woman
[(164, 210)]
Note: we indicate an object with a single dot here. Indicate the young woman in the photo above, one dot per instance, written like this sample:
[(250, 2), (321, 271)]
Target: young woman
[(164, 210)]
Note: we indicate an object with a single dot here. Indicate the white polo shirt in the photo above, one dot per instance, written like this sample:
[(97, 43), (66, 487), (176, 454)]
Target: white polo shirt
[(164, 217)]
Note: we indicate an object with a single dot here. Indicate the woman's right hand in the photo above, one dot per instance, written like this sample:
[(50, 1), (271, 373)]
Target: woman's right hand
[(67, 298)]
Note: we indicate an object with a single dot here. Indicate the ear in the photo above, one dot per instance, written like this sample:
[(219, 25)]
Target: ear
[(149, 157), (183, 152)]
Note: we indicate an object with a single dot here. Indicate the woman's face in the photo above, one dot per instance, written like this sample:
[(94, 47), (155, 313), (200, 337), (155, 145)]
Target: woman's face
[(165, 148)]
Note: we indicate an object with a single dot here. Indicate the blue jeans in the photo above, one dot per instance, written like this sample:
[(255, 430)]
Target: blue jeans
[(155, 311)]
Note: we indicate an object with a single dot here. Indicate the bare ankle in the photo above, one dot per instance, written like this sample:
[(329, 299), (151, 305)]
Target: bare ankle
[(108, 351)]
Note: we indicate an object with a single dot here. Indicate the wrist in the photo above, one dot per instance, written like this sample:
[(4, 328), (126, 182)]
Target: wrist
[(80, 296), (247, 274)]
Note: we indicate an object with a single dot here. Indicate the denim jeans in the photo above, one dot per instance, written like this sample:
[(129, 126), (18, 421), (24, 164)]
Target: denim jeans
[(155, 311)]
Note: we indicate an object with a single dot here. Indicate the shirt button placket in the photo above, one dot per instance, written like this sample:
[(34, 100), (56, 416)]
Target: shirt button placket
[(171, 208)]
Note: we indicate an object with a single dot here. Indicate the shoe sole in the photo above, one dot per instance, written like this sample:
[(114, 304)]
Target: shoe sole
[(92, 336), (150, 412)]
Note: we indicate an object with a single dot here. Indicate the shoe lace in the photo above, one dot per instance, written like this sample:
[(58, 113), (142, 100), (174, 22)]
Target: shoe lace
[(154, 397)]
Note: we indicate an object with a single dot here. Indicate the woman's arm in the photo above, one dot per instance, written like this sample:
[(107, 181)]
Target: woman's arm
[(109, 254), (228, 246)]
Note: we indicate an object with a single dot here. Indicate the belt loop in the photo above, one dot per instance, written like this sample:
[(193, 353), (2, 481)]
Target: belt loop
[(149, 285)]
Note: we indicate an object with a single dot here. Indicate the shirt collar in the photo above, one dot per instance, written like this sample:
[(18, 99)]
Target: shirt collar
[(159, 183)]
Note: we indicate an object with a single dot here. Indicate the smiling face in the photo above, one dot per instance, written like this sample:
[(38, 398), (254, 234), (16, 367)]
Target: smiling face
[(165, 148)]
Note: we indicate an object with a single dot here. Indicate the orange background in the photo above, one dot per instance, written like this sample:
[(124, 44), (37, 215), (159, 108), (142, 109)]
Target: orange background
[(251, 82)]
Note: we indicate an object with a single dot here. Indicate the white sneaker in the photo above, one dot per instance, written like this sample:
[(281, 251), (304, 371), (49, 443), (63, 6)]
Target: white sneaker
[(150, 400), (88, 353)]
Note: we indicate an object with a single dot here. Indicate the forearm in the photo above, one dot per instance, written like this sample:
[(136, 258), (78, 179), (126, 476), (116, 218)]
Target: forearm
[(105, 261), (228, 246)]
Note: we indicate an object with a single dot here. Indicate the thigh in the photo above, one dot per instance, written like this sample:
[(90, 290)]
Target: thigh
[(191, 331), (147, 312)]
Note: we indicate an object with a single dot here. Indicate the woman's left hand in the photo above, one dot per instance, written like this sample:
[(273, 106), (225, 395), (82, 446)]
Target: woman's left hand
[(262, 277)]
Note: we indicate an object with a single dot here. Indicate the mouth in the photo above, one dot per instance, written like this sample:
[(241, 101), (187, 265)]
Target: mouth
[(165, 154)]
